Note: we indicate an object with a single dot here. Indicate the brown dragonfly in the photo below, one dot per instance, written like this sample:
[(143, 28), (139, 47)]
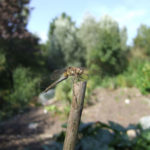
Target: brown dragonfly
[(77, 72)]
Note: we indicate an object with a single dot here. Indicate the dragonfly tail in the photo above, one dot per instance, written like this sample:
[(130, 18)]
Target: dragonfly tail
[(54, 84)]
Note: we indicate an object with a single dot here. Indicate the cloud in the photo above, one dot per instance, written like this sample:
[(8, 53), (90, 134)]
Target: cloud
[(126, 16), (135, 14), (129, 17)]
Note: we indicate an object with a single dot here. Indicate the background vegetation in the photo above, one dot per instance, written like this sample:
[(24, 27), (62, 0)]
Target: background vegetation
[(101, 46)]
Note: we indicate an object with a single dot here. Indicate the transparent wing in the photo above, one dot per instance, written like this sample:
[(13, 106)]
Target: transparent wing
[(55, 83), (57, 74), (83, 77)]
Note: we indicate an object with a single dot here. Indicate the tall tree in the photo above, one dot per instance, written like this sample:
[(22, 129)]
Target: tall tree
[(108, 56), (14, 15), (142, 40), (18, 47), (15, 40), (64, 46), (88, 33)]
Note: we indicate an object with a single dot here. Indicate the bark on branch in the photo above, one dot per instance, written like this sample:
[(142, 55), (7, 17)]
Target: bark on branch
[(79, 89)]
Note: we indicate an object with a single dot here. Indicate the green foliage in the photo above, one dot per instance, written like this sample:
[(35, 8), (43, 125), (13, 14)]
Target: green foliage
[(101, 45), (64, 43), (92, 84), (142, 40), (58, 110), (143, 141), (63, 91), (52, 108), (88, 33), (134, 68), (143, 78), (108, 57), (99, 136), (123, 38), (110, 136), (66, 110), (2, 61), (18, 47), (13, 24), (136, 75), (25, 87), (17, 99)]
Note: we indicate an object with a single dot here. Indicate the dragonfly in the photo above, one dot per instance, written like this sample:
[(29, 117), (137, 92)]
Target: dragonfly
[(76, 72)]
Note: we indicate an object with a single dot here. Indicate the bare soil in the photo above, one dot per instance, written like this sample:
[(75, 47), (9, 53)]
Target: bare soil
[(124, 106)]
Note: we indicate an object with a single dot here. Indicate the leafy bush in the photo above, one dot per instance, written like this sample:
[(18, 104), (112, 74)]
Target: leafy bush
[(64, 43), (143, 79), (110, 136), (63, 91), (143, 141), (142, 40), (52, 108), (25, 86), (99, 136), (2, 61), (136, 75), (108, 57)]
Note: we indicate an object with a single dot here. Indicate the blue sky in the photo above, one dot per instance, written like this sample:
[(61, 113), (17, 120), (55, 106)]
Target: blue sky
[(128, 13)]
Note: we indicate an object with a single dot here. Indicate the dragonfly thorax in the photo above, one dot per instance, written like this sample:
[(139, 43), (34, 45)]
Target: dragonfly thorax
[(74, 71), (70, 71)]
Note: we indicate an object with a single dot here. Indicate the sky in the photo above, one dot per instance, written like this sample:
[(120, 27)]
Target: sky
[(128, 13)]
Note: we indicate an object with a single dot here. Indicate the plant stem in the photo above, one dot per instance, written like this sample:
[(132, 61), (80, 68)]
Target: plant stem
[(79, 89)]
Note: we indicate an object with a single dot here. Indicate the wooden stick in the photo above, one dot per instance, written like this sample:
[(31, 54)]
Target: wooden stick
[(79, 89)]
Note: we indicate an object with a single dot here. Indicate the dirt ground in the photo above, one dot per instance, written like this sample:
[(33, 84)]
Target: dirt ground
[(35, 128)]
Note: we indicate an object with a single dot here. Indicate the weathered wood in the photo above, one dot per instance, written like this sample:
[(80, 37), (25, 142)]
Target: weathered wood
[(75, 115)]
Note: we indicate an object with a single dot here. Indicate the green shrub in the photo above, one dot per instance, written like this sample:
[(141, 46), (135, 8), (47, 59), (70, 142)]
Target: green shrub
[(2, 61), (98, 136), (92, 84), (142, 40), (143, 140), (108, 57), (63, 91), (143, 79), (108, 82), (25, 87), (136, 75), (52, 108), (122, 81), (110, 136), (131, 77)]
